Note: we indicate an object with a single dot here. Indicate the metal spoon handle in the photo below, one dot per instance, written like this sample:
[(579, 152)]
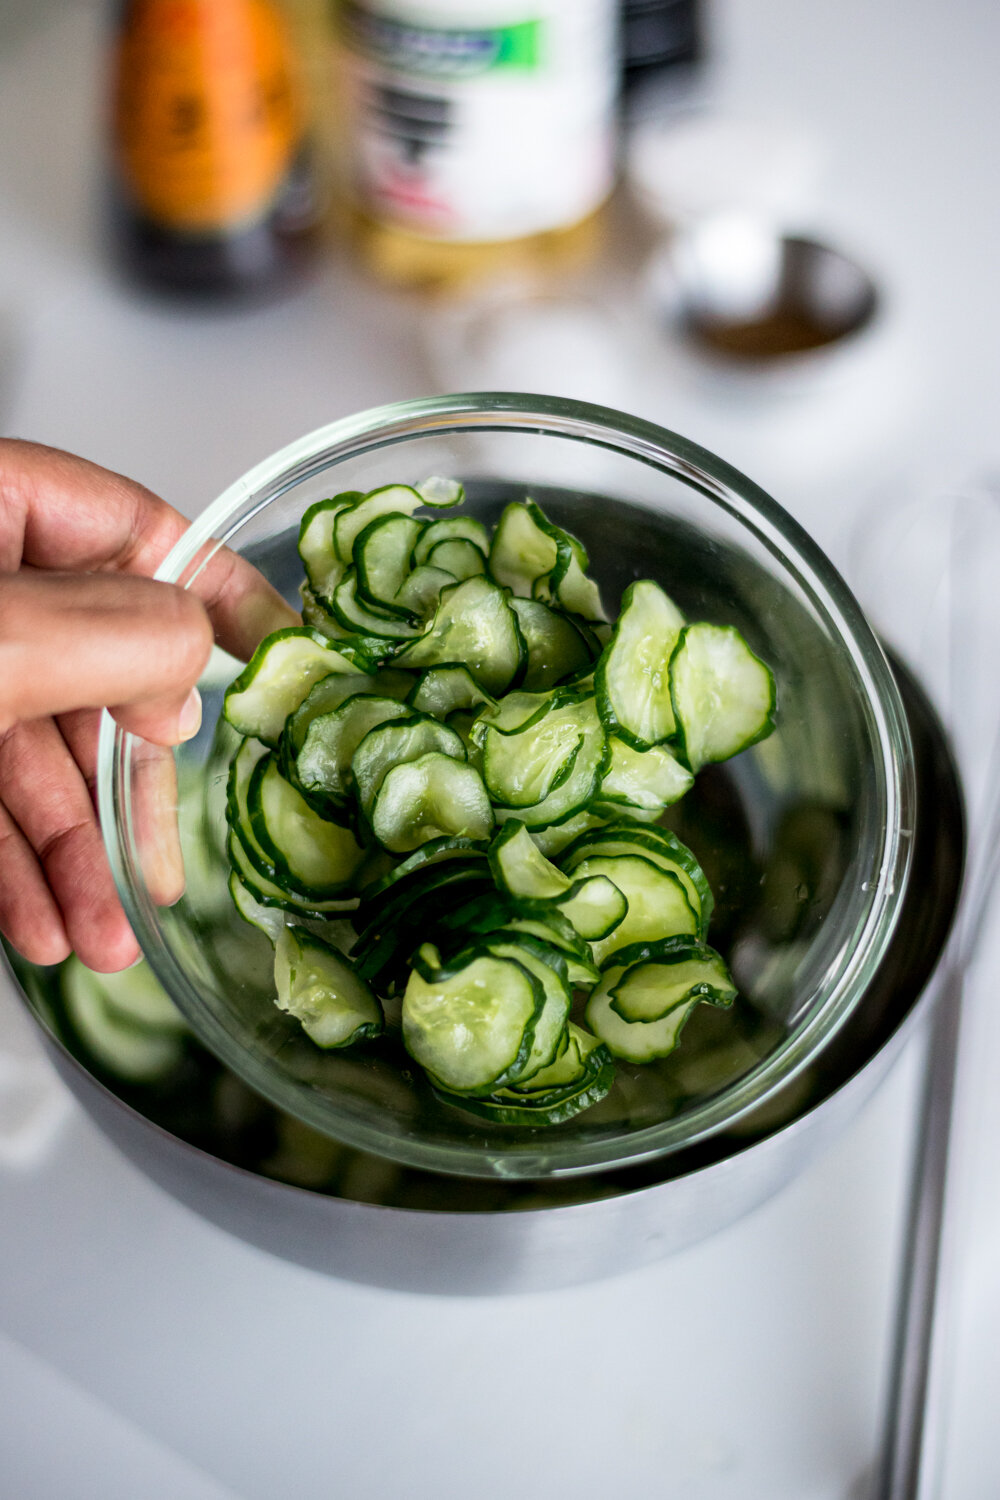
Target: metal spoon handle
[(908, 1469)]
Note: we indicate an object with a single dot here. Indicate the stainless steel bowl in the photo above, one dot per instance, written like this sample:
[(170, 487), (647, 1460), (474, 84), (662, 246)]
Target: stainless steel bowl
[(385, 1225)]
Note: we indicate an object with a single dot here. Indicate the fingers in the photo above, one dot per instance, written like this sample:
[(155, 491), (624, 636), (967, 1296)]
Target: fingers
[(153, 780), (60, 512), (70, 642), (46, 797), (29, 916)]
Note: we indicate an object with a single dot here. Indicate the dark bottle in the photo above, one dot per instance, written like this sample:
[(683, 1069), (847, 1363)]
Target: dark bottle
[(656, 36), (213, 184)]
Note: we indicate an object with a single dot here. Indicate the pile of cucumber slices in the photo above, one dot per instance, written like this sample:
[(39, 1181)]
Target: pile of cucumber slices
[(449, 787)]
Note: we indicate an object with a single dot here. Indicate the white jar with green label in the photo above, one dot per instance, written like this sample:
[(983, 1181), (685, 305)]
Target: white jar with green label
[(474, 123)]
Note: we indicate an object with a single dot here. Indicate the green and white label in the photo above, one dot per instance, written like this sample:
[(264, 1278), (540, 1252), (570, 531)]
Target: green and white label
[(480, 122)]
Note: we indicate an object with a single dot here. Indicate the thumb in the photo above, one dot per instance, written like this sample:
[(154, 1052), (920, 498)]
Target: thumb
[(94, 640)]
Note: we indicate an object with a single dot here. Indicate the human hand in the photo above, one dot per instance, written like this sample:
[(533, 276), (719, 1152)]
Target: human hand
[(83, 626)]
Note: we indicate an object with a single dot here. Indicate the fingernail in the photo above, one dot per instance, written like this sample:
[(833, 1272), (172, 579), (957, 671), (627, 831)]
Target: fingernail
[(190, 718)]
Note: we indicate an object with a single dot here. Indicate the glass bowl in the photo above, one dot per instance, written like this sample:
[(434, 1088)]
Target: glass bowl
[(805, 838)]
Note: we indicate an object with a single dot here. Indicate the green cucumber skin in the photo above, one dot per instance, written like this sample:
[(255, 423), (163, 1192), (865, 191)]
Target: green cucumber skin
[(766, 727), (283, 874)]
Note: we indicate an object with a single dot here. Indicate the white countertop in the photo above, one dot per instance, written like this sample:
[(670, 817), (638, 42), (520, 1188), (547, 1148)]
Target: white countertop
[(144, 1352)]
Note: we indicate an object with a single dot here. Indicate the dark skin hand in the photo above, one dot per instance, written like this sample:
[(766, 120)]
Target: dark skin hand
[(83, 626)]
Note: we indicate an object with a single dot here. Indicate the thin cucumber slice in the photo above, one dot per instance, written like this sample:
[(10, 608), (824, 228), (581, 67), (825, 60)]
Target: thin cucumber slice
[(520, 868), (353, 615), (723, 695), (320, 988), (277, 678), (267, 919), (123, 1045), (434, 796), (658, 904), (648, 779), (471, 1024), (594, 907), (441, 691), (572, 795), (474, 624), (629, 991), (552, 841), (353, 519), (441, 492), (451, 529), (268, 892), (632, 680), (248, 756), (548, 966), (323, 764), (557, 648), (391, 744), (329, 693), (316, 856), (421, 593), (323, 567), (566, 583), (522, 768), (660, 976), (580, 1076), (434, 852), (459, 557), (659, 845), (382, 554), (521, 552)]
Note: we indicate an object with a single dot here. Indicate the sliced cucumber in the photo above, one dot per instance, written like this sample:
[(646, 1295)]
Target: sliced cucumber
[(323, 764), (316, 549), (382, 554), (316, 856), (549, 967), (268, 892), (557, 648), (648, 779), (453, 528), (458, 557), (632, 680), (267, 919), (639, 1008), (594, 907), (439, 491), (658, 904), (392, 744), (432, 797), (655, 844), (320, 988), (572, 795), (660, 976), (524, 766), (277, 678), (475, 625), (580, 1076), (435, 851), (352, 520), (521, 553), (441, 691), (471, 1024), (352, 614), (723, 695)]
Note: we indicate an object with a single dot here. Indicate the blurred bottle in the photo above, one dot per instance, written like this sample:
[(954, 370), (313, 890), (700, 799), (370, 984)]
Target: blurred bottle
[(214, 183), (476, 136), (656, 36)]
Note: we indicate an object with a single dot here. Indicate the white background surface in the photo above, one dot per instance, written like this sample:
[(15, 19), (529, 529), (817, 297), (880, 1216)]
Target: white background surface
[(145, 1353)]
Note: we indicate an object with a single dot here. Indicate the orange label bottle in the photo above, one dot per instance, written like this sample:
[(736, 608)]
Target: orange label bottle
[(212, 175)]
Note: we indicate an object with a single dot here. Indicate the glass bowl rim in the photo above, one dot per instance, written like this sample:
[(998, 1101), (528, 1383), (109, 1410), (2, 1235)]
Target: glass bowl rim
[(800, 558)]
